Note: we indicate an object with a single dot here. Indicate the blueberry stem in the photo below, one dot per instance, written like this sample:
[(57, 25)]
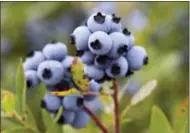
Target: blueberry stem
[(96, 119), (116, 106)]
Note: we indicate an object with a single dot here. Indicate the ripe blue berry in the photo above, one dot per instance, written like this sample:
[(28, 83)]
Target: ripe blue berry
[(34, 58), (67, 117), (96, 105), (50, 72), (118, 68), (55, 51), (137, 58), (51, 103), (32, 79), (119, 44), (67, 61), (99, 22), (102, 61), (130, 37), (87, 57), (92, 72), (81, 119), (73, 102), (100, 43), (93, 87), (79, 37), (115, 23)]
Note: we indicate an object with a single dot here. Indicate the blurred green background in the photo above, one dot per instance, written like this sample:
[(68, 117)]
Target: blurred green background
[(161, 27)]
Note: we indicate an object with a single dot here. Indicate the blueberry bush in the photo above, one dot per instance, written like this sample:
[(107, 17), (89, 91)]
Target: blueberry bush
[(90, 82)]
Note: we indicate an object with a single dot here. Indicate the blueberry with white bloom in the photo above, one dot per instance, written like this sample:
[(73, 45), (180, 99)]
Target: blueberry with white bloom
[(119, 44), (100, 43), (87, 57), (92, 72), (67, 61), (50, 72), (81, 119), (93, 87), (130, 37), (73, 102), (115, 23), (34, 58), (118, 68), (99, 22), (67, 117), (55, 51), (102, 61), (51, 103), (32, 79), (137, 58), (96, 105), (79, 37)]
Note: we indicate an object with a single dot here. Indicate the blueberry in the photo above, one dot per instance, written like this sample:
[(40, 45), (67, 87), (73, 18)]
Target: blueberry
[(87, 57), (92, 72), (55, 51), (115, 23), (67, 61), (81, 119), (32, 79), (102, 61), (67, 117), (120, 44), (79, 37), (73, 102), (99, 43), (50, 72), (51, 103), (118, 68), (99, 22), (96, 105), (34, 58), (130, 37), (137, 58), (93, 87)]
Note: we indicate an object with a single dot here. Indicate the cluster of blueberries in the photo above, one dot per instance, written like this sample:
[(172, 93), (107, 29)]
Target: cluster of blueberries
[(52, 67), (107, 51)]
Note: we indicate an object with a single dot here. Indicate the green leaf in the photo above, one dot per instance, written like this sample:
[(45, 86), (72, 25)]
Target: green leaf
[(34, 97), (126, 120), (140, 95), (9, 123), (181, 115), (20, 130), (20, 89), (30, 117), (56, 128), (185, 128), (144, 92), (58, 114), (7, 101), (46, 118), (159, 122)]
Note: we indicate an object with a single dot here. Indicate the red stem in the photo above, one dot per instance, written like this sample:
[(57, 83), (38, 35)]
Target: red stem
[(116, 106), (97, 121)]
